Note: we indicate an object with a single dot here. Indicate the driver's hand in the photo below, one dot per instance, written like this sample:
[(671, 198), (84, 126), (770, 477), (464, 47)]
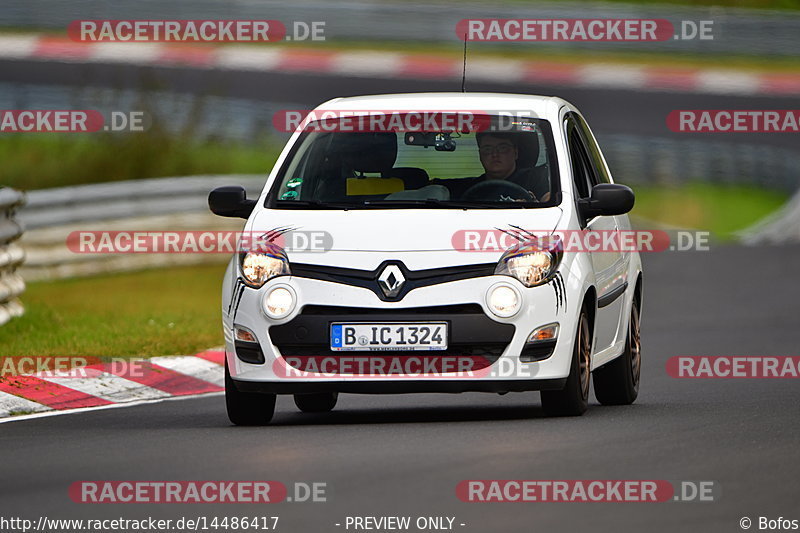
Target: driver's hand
[(545, 197), (533, 197)]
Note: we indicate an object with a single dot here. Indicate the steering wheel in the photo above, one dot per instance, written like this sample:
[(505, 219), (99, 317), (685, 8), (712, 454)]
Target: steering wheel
[(497, 190)]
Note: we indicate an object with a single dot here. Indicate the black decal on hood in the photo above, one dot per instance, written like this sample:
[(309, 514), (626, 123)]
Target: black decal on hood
[(274, 233)]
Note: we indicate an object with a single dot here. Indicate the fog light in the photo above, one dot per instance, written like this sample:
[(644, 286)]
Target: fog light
[(544, 333), (279, 302), (503, 301)]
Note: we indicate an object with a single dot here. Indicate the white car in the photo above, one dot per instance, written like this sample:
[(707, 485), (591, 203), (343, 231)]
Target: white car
[(424, 243)]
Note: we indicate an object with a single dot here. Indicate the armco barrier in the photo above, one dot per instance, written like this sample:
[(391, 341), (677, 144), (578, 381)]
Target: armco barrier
[(11, 255), (160, 204)]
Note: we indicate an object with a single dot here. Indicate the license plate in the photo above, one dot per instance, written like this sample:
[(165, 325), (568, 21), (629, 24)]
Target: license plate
[(418, 336)]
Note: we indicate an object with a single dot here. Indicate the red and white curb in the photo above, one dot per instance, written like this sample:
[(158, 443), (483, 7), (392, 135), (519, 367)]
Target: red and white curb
[(106, 384), (401, 65)]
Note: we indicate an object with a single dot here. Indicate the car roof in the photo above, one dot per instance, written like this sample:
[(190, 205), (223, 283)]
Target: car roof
[(542, 106)]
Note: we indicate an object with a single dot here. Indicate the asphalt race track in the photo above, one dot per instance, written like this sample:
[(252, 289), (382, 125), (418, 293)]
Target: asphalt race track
[(404, 455), (609, 111)]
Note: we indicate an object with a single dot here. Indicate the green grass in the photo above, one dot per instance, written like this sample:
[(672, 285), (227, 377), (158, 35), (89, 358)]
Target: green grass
[(38, 161), (723, 210), (157, 312)]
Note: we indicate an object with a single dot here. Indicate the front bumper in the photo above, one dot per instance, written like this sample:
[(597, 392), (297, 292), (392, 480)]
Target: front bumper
[(401, 387), (473, 332)]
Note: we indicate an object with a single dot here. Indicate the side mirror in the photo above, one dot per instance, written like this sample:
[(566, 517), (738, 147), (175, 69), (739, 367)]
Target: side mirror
[(607, 199), (230, 201)]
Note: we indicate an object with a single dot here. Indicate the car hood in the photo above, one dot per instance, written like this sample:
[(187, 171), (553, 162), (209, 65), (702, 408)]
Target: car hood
[(483, 231)]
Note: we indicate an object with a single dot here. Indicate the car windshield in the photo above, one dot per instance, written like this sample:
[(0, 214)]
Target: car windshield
[(502, 163)]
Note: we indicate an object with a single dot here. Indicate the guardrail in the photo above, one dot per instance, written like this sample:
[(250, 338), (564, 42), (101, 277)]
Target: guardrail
[(162, 204), (127, 199), (11, 255), (642, 160)]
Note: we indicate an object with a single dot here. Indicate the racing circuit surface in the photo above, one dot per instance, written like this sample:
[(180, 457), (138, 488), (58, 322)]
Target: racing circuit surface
[(404, 455)]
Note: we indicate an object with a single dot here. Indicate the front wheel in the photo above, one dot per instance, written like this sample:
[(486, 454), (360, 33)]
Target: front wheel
[(247, 408), (320, 402), (573, 399), (617, 383)]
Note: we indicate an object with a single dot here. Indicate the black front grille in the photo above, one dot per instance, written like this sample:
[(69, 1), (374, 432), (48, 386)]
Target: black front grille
[(491, 352), (368, 279), (444, 310)]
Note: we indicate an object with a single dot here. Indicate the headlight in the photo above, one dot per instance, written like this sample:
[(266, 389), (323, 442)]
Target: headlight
[(532, 263), (503, 301), (263, 265), (279, 302)]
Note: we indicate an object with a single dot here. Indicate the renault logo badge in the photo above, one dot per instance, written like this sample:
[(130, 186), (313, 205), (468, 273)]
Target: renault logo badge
[(391, 281)]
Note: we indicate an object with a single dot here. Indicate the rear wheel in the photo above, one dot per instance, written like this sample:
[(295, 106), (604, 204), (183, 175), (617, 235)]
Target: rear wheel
[(617, 383), (318, 402), (573, 399), (247, 408)]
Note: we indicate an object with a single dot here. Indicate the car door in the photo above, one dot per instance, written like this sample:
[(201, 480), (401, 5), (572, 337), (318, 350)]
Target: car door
[(608, 264), (621, 222)]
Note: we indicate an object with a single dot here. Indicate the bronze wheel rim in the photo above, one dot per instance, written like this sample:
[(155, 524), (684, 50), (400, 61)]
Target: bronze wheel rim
[(635, 346), (584, 356)]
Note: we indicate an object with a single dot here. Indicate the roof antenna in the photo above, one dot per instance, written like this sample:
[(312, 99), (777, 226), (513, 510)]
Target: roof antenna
[(464, 73)]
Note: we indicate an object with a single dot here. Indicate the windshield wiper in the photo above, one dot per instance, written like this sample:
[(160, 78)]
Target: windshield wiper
[(456, 204), (315, 204)]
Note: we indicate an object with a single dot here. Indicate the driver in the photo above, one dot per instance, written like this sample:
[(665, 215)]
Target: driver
[(499, 153)]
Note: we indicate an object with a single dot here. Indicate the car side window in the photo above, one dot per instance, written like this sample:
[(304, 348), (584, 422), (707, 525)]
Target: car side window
[(581, 171), (596, 157)]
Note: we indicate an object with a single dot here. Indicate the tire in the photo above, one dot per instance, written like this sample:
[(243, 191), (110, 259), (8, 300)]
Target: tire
[(247, 408), (617, 383), (320, 402), (573, 399)]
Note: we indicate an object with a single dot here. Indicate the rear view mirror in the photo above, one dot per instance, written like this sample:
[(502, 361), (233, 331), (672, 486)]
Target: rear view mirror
[(441, 142), (230, 201), (607, 199)]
